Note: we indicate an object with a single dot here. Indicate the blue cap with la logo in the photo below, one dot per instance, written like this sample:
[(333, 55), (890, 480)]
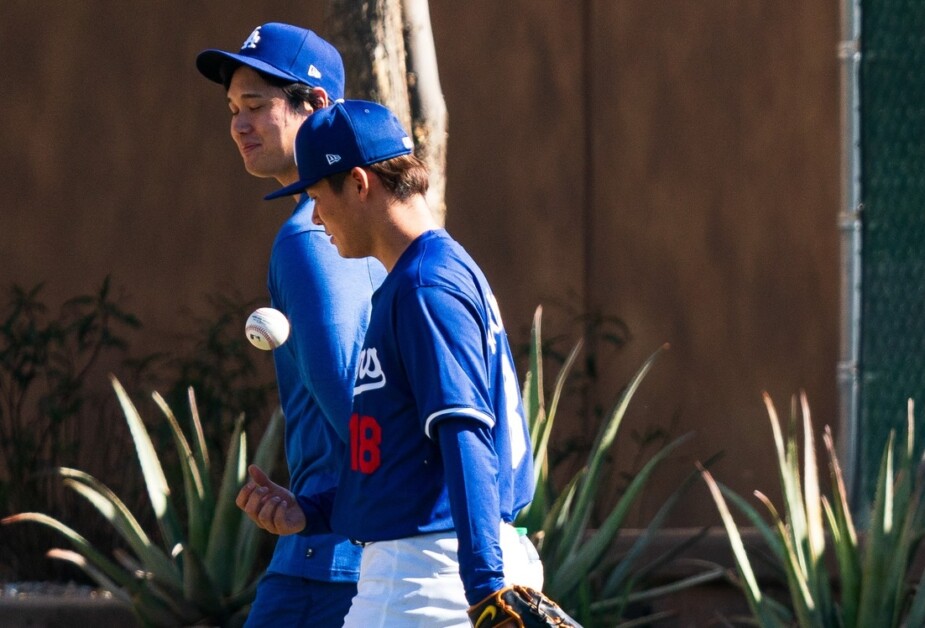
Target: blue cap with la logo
[(284, 51)]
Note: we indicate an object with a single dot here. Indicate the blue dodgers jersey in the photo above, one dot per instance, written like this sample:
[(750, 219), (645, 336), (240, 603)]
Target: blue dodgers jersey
[(327, 300), (435, 348)]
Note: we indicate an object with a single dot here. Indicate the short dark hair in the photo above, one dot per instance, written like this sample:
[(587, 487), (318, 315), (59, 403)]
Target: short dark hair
[(403, 176), (296, 93)]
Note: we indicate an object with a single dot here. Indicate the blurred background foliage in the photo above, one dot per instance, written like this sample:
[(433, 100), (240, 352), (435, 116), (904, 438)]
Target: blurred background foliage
[(57, 410)]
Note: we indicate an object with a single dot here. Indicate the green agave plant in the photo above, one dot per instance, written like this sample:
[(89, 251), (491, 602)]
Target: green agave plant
[(203, 571), (874, 586), (581, 574)]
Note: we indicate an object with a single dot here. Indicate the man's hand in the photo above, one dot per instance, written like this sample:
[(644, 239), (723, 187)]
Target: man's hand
[(269, 505), (519, 607)]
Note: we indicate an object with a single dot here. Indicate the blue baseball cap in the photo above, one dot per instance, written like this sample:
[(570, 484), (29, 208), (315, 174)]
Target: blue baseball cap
[(339, 138), (286, 52)]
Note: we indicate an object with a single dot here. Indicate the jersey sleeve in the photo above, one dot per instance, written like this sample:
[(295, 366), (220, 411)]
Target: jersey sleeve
[(323, 312), (443, 343), (470, 467), (317, 510)]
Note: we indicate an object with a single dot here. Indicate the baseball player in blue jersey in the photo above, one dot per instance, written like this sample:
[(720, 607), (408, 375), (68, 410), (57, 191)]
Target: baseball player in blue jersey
[(281, 75), (439, 457)]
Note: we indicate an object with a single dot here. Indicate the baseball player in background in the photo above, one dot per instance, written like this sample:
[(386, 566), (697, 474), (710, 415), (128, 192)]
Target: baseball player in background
[(282, 75), (439, 458)]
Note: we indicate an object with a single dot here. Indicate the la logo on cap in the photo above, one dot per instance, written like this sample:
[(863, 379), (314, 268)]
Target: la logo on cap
[(252, 40), (332, 159)]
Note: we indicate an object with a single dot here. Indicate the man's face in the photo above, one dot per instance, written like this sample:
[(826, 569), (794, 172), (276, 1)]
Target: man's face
[(264, 126), (341, 216)]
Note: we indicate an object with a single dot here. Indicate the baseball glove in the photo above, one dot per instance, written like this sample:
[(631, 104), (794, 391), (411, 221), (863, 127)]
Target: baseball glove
[(519, 607)]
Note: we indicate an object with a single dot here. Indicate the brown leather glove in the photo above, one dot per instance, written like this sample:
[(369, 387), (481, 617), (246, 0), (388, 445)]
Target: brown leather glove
[(519, 607)]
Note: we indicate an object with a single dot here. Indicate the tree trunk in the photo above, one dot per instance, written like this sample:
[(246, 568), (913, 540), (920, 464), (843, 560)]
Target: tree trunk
[(428, 108), (389, 57)]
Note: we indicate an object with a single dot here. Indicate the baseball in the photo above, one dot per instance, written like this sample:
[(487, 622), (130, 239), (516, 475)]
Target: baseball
[(267, 328)]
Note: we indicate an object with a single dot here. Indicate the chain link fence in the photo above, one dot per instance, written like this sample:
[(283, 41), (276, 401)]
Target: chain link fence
[(892, 136)]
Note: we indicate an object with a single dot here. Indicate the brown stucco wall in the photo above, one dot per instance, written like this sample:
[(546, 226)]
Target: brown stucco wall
[(673, 164)]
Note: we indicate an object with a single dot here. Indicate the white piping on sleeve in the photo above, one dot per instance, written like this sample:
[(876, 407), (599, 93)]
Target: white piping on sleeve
[(478, 415)]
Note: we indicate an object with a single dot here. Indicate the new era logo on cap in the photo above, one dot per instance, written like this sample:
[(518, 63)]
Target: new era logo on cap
[(314, 72), (332, 159)]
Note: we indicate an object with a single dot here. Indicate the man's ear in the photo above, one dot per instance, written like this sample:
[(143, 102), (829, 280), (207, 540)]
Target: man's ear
[(359, 179), (318, 99)]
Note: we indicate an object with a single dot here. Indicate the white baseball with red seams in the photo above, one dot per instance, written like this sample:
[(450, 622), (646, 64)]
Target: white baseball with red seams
[(267, 328)]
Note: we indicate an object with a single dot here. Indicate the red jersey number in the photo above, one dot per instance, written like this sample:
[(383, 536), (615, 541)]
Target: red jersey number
[(365, 438)]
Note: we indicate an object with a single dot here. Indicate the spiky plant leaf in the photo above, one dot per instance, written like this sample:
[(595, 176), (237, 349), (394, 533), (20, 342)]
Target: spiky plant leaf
[(553, 527), (789, 474), (916, 614), (873, 570), (558, 521), (546, 431), (155, 480), (77, 559), (589, 486), (815, 528), (248, 541), (202, 451), (220, 558), (800, 594), (535, 414), (198, 584), (197, 523), (711, 573), (753, 593), (201, 454), (534, 404), (267, 455), (671, 555), (179, 589), (847, 551), (152, 610), (81, 544), (812, 495), (628, 565), (532, 515), (119, 516), (151, 592), (243, 597), (768, 535), (590, 551), (878, 541)]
